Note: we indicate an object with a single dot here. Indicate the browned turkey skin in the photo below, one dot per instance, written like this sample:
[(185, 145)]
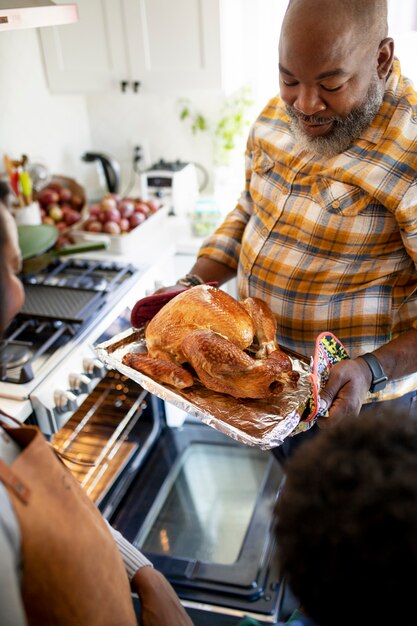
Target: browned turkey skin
[(210, 330)]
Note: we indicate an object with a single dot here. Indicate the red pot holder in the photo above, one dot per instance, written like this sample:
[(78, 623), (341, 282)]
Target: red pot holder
[(145, 308)]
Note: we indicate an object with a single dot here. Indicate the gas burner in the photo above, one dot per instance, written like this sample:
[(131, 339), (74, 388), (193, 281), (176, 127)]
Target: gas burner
[(14, 355), (97, 283)]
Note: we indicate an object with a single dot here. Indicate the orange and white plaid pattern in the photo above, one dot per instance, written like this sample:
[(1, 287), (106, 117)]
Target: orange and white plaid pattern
[(331, 244)]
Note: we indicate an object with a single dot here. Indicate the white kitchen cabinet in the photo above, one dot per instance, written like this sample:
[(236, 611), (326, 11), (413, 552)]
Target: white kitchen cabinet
[(149, 46)]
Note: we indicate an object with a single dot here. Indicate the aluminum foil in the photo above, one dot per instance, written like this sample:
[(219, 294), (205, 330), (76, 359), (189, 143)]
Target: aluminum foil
[(262, 423)]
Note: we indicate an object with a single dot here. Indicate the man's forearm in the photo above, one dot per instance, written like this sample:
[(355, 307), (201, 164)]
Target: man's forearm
[(399, 356), (209, 270)]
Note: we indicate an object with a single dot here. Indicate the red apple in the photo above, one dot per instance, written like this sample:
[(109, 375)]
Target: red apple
[(124, 225), (141, 207), (61, 226), (95, 209), (48, 196), (112, 228), (112, 215), (126, 207), (136, 219), (77, 201), (153, 204), (108, 203), (71, 217), (93, 226), (65, 195)]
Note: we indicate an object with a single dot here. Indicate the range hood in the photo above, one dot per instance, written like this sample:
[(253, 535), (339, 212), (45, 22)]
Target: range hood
[(33, 13)]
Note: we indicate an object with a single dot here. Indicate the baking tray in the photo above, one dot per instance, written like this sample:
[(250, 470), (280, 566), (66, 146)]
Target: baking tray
[(262, 423)]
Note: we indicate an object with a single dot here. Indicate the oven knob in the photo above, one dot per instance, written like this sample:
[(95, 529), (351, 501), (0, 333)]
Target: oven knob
[(80, 383), (94, 367), (65, 400)]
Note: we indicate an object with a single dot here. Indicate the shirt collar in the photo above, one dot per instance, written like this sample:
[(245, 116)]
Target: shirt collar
[(393, 90)]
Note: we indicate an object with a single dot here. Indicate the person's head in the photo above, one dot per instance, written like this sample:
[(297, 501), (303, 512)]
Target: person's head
[(334, 59), (347, 522), (11, 289)]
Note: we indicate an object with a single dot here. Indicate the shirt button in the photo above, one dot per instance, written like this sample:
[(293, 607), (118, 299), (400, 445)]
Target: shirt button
[(264, 232), (335, 204), (285, 191)]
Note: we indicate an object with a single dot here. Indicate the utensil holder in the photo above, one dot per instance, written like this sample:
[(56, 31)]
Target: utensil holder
[(29, 214)]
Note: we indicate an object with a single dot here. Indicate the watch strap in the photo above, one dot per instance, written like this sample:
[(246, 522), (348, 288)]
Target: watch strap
[(379, 378)]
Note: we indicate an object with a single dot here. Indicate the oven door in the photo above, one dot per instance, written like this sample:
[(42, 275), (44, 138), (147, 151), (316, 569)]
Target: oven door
[(201, 509)]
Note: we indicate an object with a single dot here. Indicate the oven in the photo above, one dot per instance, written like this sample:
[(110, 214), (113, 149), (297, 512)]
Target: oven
[(197, 503)]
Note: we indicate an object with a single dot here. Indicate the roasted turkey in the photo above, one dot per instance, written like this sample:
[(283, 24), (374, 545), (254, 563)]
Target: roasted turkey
[(207, 330)]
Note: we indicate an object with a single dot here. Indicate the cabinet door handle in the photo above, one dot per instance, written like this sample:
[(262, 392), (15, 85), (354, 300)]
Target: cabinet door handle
[(136, 84), (124, 84)]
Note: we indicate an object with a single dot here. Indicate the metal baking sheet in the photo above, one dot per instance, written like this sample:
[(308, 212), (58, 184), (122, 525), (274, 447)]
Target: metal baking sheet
[(262, 423)]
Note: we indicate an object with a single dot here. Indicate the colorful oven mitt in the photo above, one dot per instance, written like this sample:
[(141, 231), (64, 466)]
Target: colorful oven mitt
[(328, 351)]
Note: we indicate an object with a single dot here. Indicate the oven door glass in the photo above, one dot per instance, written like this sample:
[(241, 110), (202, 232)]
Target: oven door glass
[(201, 509), (204, 509)]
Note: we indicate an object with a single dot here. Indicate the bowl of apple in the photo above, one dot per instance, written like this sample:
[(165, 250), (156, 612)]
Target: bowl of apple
[(62, 203), (121, 222)]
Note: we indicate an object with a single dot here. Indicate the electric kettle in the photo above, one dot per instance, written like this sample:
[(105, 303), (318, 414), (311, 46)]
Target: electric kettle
[(107, 167)]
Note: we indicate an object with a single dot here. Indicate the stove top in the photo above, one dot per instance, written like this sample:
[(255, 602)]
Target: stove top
[(62, 302)]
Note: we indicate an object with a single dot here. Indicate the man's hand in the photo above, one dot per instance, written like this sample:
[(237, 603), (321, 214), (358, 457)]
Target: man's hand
[(345, 391), (160, 605)]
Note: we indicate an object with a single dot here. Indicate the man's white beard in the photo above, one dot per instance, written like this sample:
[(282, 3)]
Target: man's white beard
[(344, 131)]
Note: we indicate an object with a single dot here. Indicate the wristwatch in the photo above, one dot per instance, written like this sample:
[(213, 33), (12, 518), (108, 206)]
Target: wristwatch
[(379, 378)]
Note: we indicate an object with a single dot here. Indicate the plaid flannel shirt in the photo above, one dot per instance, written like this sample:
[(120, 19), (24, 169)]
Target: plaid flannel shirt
[(331, 244)]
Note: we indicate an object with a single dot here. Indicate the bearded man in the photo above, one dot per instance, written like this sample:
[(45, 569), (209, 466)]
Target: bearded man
[(326, 229)]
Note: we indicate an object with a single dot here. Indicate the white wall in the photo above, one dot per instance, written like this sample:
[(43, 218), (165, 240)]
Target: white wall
[(49, 128), (57, 129)]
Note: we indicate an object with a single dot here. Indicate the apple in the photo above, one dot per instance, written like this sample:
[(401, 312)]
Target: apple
[(77, 201), (112, 215), (108, 203), (71, 216), (61, 226), (141, 207), (48, 196), (126, 207), (95, 209), (48, 220), (55, 211), (65, 195), (153, 204), (112, 228), (136, 219), (124, 225), (93, 226)]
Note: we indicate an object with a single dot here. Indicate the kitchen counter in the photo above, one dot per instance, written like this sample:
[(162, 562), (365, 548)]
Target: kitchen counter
[(19, 409), (166, 253)]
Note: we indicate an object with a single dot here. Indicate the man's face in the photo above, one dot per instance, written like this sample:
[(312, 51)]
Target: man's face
[(330, 86)]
